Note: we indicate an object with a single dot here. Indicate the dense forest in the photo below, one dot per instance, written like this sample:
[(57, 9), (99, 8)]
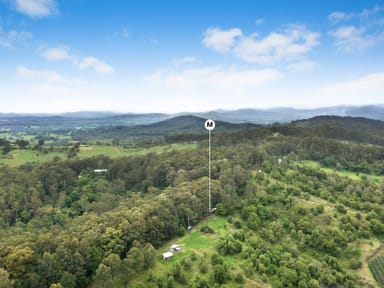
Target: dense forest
[(66, 223)]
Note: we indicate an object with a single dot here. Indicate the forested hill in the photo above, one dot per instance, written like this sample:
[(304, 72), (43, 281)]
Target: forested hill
[(358, 123), (356, 129), (188, 124)]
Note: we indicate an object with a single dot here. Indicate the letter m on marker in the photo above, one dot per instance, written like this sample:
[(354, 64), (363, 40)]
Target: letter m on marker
[(209, 124)]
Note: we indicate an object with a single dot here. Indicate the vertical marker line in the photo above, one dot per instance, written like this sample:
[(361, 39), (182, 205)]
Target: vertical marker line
[(209, 125), (209, 171)]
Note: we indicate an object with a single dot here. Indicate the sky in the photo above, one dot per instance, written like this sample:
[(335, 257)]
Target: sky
[(192, 55)]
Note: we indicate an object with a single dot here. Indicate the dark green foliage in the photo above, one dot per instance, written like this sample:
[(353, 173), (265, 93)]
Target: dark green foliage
[(207, 229), (229, 246)]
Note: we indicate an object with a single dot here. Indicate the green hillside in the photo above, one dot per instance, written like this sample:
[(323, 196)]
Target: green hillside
[(293, 209)]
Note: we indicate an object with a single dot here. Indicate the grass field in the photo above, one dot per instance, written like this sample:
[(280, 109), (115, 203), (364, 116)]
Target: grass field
[(345, 173), (18, 157), (368, 248)]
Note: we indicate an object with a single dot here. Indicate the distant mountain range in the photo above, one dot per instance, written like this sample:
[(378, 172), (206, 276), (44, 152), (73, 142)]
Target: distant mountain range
[(285, 115), (89, 119), (185, 124)]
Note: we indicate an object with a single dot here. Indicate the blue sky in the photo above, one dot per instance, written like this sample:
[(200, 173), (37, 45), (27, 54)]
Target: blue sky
[(192, 55)]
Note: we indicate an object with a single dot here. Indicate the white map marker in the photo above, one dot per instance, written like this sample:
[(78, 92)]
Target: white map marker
[(209, 125)]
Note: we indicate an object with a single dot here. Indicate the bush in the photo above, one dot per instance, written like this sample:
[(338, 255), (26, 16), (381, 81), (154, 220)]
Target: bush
[(239, 278), (207, 229), (237, 225)]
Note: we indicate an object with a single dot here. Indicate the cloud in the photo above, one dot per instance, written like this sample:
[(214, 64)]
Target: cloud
[(45, 76), (366, 32), (62, 53), (220, 40), (350, 39), (208, 87), (187, 60), (336, 17), (56, 54), (9, 38), (289, 44), (51, 91), (123, 33), (301, 66), (215, 77), (36, 8), (95, 64), (364, 15), (363, 87)]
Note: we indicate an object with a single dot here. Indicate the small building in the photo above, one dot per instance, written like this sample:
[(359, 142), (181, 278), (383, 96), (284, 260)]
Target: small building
[(175, 248), (167, 255), (100, 170)]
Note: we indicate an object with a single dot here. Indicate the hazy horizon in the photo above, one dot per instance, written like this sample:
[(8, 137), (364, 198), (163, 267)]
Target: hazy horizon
[(171, 56), (202, 112)]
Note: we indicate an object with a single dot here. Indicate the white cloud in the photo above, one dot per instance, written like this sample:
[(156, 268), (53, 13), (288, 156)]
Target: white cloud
[(301, 66), (368, 86), (367, 13), (36, 8), (56, 54), (210, 87), (364, 15), (44, 76), (351, 39), (336, 17), (9, 38), (218, 78), (220, 40), (365, 33), (187, 60), (95, 64), (51, 91), (89, 62), (289, 44)]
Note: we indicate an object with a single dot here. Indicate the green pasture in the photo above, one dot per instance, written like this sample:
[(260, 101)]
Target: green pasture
[(344, 173), (19, 157)]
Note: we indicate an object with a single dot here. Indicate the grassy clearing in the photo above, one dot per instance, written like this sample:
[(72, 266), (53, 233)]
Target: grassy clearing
[(368, 248), (344, 173), (119, 151), (203, 246), (19, 157)]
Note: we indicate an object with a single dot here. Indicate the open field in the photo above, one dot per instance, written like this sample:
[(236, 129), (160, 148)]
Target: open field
[(19, 157), (345, 173), (202, 246)]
